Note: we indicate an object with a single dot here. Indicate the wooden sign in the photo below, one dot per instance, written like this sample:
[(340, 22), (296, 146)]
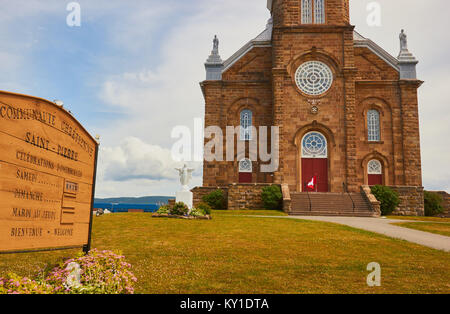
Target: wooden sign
[(47, 176)]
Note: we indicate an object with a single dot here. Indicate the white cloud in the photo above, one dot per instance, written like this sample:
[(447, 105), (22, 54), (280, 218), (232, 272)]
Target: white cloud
[(169, 94), (134, 166)]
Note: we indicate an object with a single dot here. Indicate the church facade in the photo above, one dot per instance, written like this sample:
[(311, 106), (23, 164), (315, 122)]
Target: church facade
[(347, 110)]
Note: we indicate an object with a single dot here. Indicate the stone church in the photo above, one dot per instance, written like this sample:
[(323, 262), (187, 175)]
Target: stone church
[(346, 109)]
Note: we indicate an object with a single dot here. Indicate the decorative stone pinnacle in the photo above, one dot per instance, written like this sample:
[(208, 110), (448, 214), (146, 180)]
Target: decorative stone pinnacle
[(406, 60), (214, 58), (405, 55)]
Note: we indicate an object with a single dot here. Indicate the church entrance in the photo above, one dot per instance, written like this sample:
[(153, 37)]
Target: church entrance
[(315, 161)]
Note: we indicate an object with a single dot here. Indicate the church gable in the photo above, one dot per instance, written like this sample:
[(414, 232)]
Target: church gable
[(256, 65), (371, 67)]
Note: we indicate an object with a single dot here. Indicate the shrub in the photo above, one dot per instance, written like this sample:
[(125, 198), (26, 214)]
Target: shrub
[(196, 212), (179, 209), (205, 208), (433, 204), (272, 197), (215, 199), (163, 210), (100, 272), (389, 199)]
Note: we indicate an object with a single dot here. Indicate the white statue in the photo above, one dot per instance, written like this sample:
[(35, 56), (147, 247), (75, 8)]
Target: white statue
[(403, 41), (185, 176), (74, 277), (216, 44)]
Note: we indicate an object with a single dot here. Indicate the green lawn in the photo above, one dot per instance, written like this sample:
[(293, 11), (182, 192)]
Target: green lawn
[(433, 227), (415, 218), (238, 254)]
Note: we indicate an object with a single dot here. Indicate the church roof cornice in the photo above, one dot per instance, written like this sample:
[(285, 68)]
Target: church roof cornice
[(362, 42)]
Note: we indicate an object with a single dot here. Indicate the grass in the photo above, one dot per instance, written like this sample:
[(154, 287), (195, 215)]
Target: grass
[(415, 218), (438, 228), (252, 212), (238, 254)]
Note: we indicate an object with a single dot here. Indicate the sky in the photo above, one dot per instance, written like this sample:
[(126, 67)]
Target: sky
[(130, 73)]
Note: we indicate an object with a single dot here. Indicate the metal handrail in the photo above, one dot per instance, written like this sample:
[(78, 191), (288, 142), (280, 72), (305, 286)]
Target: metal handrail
[(309, 198), (346, 190)]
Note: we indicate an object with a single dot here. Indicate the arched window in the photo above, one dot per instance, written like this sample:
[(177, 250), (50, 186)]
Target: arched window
[(373, 126), (246, 125), (314, 145), (307, 11), (319, 12), (374, 167)]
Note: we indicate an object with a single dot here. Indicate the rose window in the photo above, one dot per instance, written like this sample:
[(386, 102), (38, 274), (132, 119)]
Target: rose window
[(314, 78)]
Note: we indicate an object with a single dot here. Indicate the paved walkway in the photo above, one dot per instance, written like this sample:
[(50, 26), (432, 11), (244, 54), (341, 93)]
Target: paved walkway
[(384, 226)]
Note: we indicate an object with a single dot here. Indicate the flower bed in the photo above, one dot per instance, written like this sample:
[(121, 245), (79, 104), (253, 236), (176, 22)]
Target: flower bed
[(181, 211), (99, 272), (156, 215)]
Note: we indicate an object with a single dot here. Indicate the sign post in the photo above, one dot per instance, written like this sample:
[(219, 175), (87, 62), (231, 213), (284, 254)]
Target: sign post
[(48, 167)]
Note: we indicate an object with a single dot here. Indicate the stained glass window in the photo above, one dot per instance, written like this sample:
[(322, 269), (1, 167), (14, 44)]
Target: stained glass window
[(319, 12), (246, 125), (374, 167), (306, 11), (314, 145), (314, 78), (373, 125), (245, 165)]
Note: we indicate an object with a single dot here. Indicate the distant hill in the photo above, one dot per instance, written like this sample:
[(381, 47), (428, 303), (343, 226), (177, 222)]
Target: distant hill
[(135, 200)]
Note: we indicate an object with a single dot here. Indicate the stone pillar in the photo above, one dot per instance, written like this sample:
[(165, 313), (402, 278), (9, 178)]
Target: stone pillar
[(349, 72), (214, 64), (278, 120), (411, 133)]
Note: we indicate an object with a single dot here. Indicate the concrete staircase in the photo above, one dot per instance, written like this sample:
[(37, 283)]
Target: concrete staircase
[(331, 204)]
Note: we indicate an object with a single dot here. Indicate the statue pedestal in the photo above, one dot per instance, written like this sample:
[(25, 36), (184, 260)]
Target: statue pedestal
[(186, 197)]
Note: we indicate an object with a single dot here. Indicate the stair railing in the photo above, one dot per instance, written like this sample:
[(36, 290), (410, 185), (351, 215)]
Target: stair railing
[(309, 197), (349, 195)]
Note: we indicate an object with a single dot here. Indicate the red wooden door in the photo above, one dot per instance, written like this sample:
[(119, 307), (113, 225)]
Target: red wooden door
[(375, 179), (315, 167), (245, 177)]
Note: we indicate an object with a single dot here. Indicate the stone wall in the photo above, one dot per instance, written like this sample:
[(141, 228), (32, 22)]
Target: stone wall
[(199, 192), (412, 202), (245, 196), (287, 201), (371, 199), (238, 196)]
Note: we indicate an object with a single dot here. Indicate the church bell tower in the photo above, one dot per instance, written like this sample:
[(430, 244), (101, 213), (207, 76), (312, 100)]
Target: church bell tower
[(313, 78)]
